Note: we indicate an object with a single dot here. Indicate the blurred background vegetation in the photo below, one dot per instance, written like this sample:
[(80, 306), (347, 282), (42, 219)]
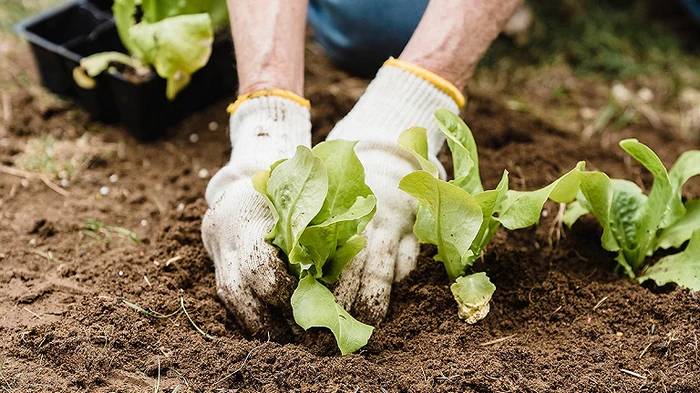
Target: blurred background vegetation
[(566, 65), (12, 11)]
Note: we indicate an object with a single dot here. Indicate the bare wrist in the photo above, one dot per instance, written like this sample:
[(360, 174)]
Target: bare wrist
[(271, 84)]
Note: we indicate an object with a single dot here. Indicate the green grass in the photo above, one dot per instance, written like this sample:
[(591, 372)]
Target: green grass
[(615, 39), (101, 233), (157, 315), (62, 159)]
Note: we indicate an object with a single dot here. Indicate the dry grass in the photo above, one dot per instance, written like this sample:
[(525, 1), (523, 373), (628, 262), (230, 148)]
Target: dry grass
[(62, 160)]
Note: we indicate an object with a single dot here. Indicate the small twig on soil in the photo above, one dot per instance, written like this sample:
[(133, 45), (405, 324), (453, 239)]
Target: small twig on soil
[(182, 309), (173, 259), (46, 255), (147, 281), (7, 383), (498, 340), (32, 312), (157, 387), (55, 187), (244, 361), (152, 314), (16, 172), (556, 311), (644, 351), (182, 305), (425, 377), (600, 302), (632, 373), (30, 176), (159, 204), (442, 377), (184, 380)]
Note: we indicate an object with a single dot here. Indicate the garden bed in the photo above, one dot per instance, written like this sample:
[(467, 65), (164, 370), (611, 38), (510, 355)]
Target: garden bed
[(64, 35), (560, 319)]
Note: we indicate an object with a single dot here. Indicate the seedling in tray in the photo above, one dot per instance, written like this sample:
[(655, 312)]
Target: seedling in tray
[(636, 225), (321, 204), (119, 51), (460, 217), (175, 37)]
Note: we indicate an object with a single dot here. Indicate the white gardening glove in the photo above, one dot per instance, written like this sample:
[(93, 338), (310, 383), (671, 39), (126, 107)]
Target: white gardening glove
[(401, 96), (251, 280)]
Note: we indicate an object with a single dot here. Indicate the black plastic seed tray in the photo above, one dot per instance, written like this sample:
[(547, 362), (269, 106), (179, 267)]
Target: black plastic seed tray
[(63, 35)]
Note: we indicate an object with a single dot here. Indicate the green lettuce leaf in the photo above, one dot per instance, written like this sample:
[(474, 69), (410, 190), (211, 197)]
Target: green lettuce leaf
[(626, 211), (415, 140), (616, 205), (346, 177), (636, 225), (174, 36), (124, 12), (342, 256), (296, 189), (96, 64), (680, 231), (157, 10), (314, 305), (218, 11), (574, 211), (682, 268), (662, 207), (490, 203), (597, 194), (320, 203), (455, 219), (460, 218), (176, 47), (465, 157), (321, 241), (686, 166), (473, 293), (523, 208)]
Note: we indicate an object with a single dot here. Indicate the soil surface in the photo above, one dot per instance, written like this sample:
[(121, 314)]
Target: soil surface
[(560, 321)]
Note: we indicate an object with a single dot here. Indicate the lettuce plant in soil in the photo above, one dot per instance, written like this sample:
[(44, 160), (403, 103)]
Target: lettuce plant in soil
[(460, 217), (175, 37), (635, 225), (321, 204)]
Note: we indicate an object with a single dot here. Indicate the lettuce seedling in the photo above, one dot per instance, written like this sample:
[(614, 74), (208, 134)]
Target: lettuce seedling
[(321, 204), (460, 217), (636, 225), (175, 37)]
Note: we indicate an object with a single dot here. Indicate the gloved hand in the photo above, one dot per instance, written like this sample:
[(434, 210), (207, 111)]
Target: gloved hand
[(251, 280), (401, 96)]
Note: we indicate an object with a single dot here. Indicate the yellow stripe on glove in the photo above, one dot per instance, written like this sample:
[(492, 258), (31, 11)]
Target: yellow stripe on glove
[(266, 93), (439, 82)]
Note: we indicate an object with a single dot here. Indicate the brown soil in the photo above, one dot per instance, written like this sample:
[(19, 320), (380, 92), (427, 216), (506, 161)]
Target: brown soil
[(565, 322)]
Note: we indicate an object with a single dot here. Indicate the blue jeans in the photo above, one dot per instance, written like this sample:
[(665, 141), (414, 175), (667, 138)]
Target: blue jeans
[(361, 34), (694, 7)]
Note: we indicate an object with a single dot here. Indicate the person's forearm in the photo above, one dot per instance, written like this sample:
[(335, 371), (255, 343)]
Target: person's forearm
[(268, 36), (453, 36)]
